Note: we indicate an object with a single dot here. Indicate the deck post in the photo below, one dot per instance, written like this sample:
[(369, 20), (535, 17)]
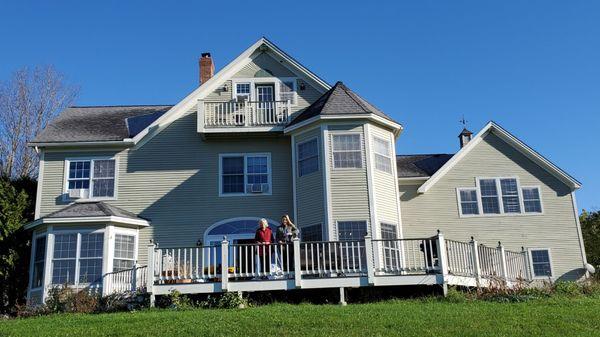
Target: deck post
[(476, 265), (150, 271), (503, 261), (370, 262), (343, 296), (297, 267), (443, 261), (224, 264), (526, 266)]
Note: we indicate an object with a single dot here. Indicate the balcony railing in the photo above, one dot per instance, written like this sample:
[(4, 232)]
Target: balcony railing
[(235, 114)]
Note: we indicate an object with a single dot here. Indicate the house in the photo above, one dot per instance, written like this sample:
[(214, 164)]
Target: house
[(169, 197)]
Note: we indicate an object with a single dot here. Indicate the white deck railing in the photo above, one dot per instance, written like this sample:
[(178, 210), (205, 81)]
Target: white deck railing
[(406, 256), (125, 280), (245, 114)]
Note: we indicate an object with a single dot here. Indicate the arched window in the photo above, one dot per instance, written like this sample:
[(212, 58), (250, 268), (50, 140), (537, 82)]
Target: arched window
[(235, 229)]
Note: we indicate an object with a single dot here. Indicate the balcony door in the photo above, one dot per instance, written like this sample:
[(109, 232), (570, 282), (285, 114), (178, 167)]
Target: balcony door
[(265, 95)]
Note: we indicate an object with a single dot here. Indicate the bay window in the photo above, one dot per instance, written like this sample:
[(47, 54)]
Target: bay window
[(347, 150), (383, 154), (308, 157), (124, 257)]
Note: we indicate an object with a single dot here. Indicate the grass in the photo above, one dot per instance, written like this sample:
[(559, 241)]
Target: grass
[(551, 317)]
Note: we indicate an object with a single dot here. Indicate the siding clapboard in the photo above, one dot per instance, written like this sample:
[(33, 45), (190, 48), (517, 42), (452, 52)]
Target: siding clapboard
[(555, 229), (309, 188)]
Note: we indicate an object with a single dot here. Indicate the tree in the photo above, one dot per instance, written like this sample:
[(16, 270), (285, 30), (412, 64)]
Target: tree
[(590, 229), (16, 207), (28, 101)]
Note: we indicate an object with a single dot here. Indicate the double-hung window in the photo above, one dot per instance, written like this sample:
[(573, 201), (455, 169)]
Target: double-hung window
[(308, 157), (391, 248), (245, 174), (540, 262), (39, 259), (77, 258), (383, 154), (242, 91), (469, 204), (531, 200), (347, 150), (95, 177), (124, 257), (510, 195), (499, 196)]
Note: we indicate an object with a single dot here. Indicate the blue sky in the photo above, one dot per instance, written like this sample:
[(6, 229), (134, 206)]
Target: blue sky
[(532, 66)]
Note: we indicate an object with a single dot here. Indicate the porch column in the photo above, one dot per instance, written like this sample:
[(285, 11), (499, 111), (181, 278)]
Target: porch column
[(224, 264), (297, 267), (476, 265), (150, 271), (503, 261)]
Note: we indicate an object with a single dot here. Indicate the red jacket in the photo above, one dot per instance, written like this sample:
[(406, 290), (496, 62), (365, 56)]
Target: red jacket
[(263, 236)]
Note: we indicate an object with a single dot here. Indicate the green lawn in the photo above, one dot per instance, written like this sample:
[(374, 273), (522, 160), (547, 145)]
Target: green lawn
[(553, 317)]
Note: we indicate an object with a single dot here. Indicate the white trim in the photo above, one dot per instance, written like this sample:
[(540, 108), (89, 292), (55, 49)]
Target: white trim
[(552, 276), (190, 101), (245, 156), (512, 141), (387, 156), (459, 201), (91, 159), (207, 238), (125, 142), (34, 238), (397, 189), (397, 128), (294, 181), (48, 262), (40, 183), (370, 184), (578, 225), (296, 165), (328, 208), (127, 232), (87, 220)]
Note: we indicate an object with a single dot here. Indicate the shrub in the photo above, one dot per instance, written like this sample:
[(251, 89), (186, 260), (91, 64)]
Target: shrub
[(127, 301), (568, 289), (225, 301), (65, 299), (455, 296)]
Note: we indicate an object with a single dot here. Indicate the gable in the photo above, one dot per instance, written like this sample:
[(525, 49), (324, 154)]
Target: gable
[(264, 65), (511, 141)]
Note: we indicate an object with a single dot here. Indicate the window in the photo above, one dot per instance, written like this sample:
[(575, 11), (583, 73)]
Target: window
[(308, 157), (67, 257), (63, 262), (312, 233), (352, 230), (242, 91), (39, 257), (391, 249), (489, 196), (287, 91), (540, 261), (124, 252), (95, 176), (469, 204), (531, 200), (347, 151), (245, 174), (90, 258), (510, 195), (383, 154)]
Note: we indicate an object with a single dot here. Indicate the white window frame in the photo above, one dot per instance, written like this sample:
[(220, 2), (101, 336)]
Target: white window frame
[(235, 90), (477, 200), (500, 201), (78, 232), (388, 156), (541, 202), (276, 81), (91, 189), (113, 240), (245, 155), (337, 227), (530, 256), (332, 151), (34, 239), (298, 157)]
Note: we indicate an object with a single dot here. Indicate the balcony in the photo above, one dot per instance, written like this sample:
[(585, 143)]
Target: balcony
[(243, 116)]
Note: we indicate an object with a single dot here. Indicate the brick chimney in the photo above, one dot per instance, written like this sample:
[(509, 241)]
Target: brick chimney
[(207, 67)]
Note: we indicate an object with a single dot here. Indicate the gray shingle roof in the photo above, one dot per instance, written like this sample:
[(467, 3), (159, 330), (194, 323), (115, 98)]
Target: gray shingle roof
[(420, 165), (339, 100), (91, 209), (100, 123)]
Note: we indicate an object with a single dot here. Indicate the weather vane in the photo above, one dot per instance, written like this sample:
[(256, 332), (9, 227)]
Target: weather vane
[(463, 121)]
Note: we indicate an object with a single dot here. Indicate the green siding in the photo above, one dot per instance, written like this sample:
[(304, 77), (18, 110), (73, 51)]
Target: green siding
[(310, 189), (173, 181), (556, 228), (348, 187)]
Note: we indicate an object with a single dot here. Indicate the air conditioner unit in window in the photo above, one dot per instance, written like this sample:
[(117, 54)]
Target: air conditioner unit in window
[(257, 188), (78, 193)]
